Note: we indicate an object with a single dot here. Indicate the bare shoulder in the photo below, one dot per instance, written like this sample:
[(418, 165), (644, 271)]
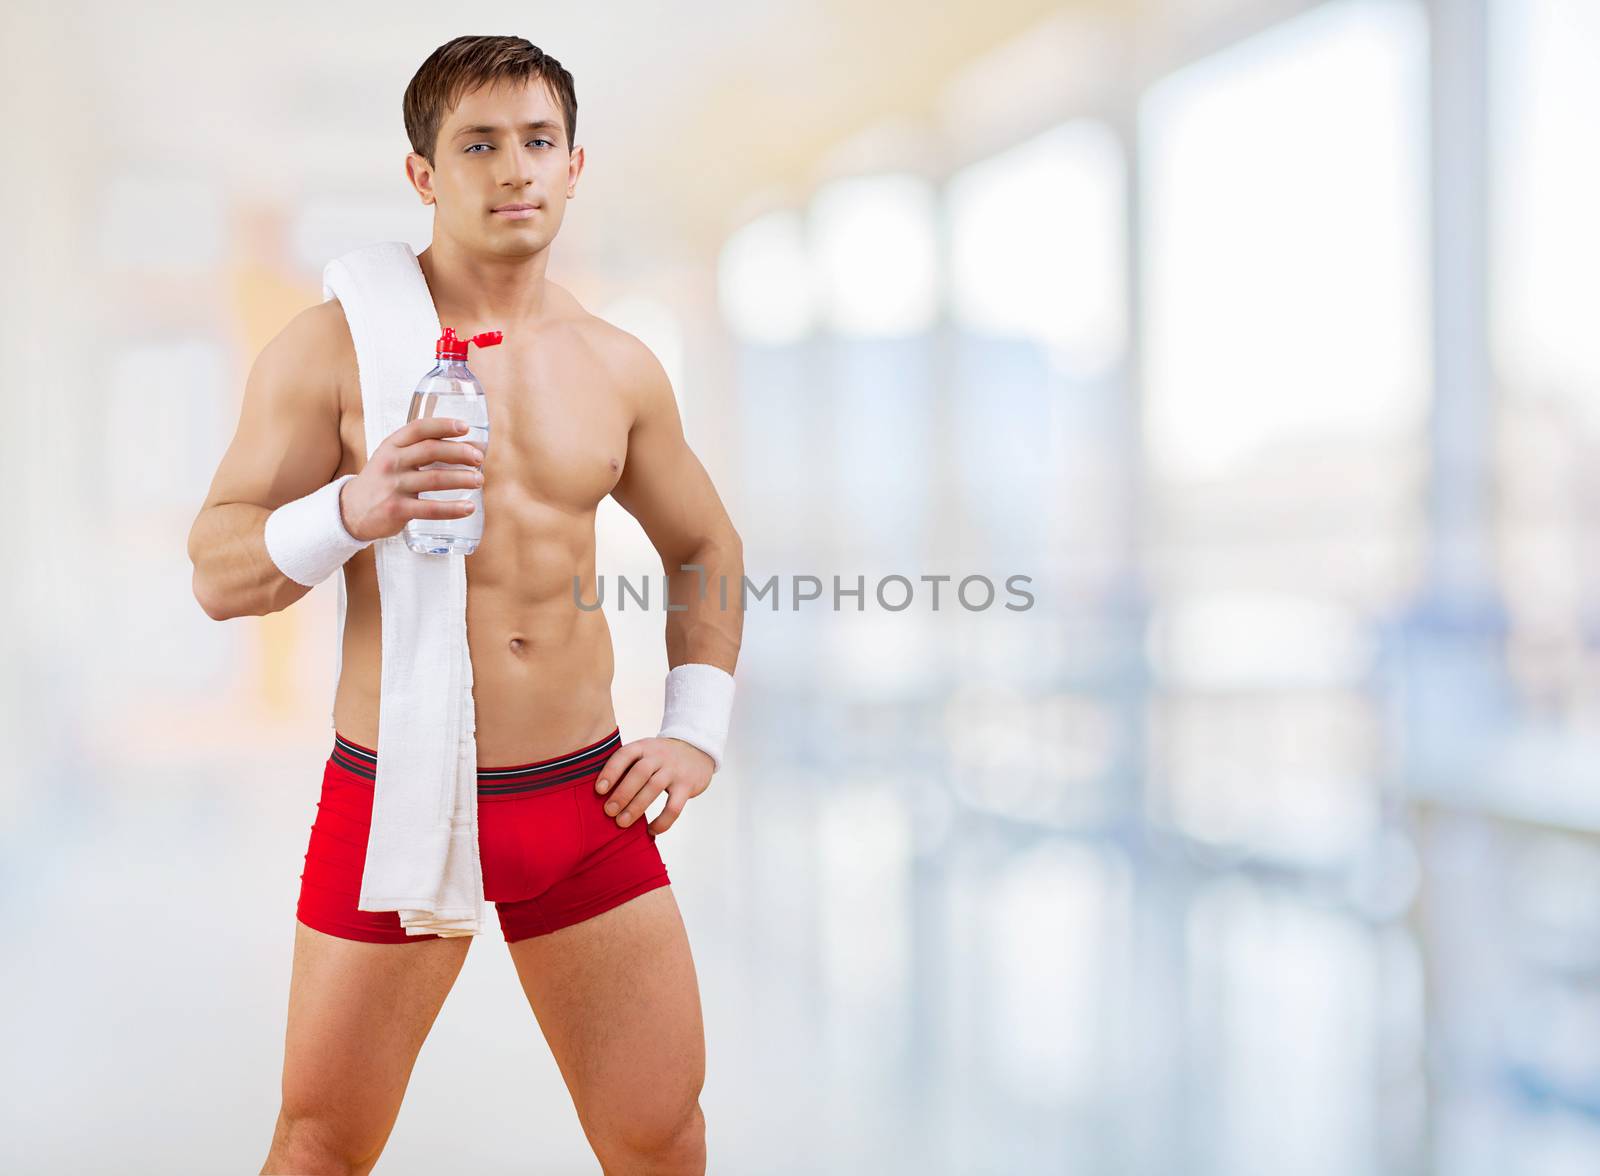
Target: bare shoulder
[(287, 442), (632, 367), (321, 328), (315, 343), (306, 360), (329, 347)]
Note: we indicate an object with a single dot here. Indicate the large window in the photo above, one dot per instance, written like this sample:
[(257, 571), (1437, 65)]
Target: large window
[(1285, 241), (1285, 265), (1545, 200), (1544, 255), (1037, 287)]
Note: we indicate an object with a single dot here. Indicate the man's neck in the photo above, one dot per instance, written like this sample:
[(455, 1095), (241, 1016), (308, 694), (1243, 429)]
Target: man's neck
[(484, 293)]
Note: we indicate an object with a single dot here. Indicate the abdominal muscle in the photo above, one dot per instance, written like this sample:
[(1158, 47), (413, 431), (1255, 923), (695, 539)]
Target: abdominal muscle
[(541, 666)]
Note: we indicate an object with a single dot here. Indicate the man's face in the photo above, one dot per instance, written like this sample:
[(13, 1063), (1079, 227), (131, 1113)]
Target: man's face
[(523, 157)]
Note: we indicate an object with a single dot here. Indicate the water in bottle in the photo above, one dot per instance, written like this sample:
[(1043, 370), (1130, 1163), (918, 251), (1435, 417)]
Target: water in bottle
[(450, 390)]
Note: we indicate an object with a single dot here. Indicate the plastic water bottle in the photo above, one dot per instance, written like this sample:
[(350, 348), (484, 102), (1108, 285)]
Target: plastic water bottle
[(451, 390)]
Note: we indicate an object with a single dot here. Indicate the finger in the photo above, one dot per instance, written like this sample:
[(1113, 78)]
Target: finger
[(617, 765), (428, 451), (644, 798), (444, 478), (632, 780), (425, 427), (677, 797), (435, 508), (630, 783)]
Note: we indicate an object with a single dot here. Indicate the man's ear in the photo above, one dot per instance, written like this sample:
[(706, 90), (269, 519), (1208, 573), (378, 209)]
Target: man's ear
[(415, 165), (574, 170)]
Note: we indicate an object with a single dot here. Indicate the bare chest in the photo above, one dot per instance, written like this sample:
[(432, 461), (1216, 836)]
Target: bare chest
[(558, 424)]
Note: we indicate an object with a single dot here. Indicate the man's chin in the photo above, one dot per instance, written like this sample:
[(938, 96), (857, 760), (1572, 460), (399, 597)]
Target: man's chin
[(518, 244)]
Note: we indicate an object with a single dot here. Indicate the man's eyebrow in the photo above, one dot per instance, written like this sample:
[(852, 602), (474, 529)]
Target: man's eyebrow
[(543, 124)]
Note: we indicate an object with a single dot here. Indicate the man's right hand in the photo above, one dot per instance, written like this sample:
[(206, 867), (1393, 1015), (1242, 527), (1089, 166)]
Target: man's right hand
[(382, 498)]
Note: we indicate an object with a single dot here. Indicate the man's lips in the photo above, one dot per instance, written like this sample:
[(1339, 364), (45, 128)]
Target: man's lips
[(515, 211)]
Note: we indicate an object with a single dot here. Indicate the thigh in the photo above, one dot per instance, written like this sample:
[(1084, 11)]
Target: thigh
[(618, 1002), (358, 1014)]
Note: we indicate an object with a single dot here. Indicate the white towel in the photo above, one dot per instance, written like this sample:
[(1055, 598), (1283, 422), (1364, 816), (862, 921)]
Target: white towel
[(422, 852)]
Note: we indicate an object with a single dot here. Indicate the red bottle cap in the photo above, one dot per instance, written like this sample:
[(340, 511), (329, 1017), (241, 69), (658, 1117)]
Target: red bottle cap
[(449, 347)]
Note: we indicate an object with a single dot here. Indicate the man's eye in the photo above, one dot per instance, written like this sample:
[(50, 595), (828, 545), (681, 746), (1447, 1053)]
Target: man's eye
[(469, 150)]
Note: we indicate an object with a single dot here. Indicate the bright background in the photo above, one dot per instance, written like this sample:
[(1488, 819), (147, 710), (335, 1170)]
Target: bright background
[(1261, 334)]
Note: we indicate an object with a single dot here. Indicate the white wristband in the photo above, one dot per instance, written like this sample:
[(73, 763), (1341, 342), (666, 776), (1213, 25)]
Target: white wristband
[(307, 538), (699, 704)]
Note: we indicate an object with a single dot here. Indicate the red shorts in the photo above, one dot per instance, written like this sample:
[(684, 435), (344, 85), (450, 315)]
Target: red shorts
[(551, 856)]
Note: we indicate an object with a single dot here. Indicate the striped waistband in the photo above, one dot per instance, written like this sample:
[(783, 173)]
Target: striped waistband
[(584, 763)]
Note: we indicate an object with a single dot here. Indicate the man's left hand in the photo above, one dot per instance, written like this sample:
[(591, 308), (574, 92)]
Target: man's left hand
[(640, 771)]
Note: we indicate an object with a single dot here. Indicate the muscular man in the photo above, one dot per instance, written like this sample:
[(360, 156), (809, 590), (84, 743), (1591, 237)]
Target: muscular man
[(578, 409)]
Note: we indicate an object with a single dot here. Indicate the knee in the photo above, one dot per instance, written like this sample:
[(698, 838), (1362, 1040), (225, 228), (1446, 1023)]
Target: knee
[(659, 1144), (307, 1144)]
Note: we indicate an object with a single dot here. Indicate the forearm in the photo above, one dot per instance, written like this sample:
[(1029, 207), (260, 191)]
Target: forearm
[(233, 574), (703, 637), (705, 617), (250, 561)]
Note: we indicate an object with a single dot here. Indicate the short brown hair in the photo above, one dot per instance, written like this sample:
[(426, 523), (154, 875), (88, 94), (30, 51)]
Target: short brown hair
[(466, 63)]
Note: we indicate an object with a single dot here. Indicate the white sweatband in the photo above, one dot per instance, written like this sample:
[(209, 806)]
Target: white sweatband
[(698, 706), (307, 538)]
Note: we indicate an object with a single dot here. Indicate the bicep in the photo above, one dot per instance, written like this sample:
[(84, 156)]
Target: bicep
[(663, 485), (287, 442)]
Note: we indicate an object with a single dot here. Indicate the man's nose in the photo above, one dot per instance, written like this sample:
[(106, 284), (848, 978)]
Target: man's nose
[(520, 174)]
